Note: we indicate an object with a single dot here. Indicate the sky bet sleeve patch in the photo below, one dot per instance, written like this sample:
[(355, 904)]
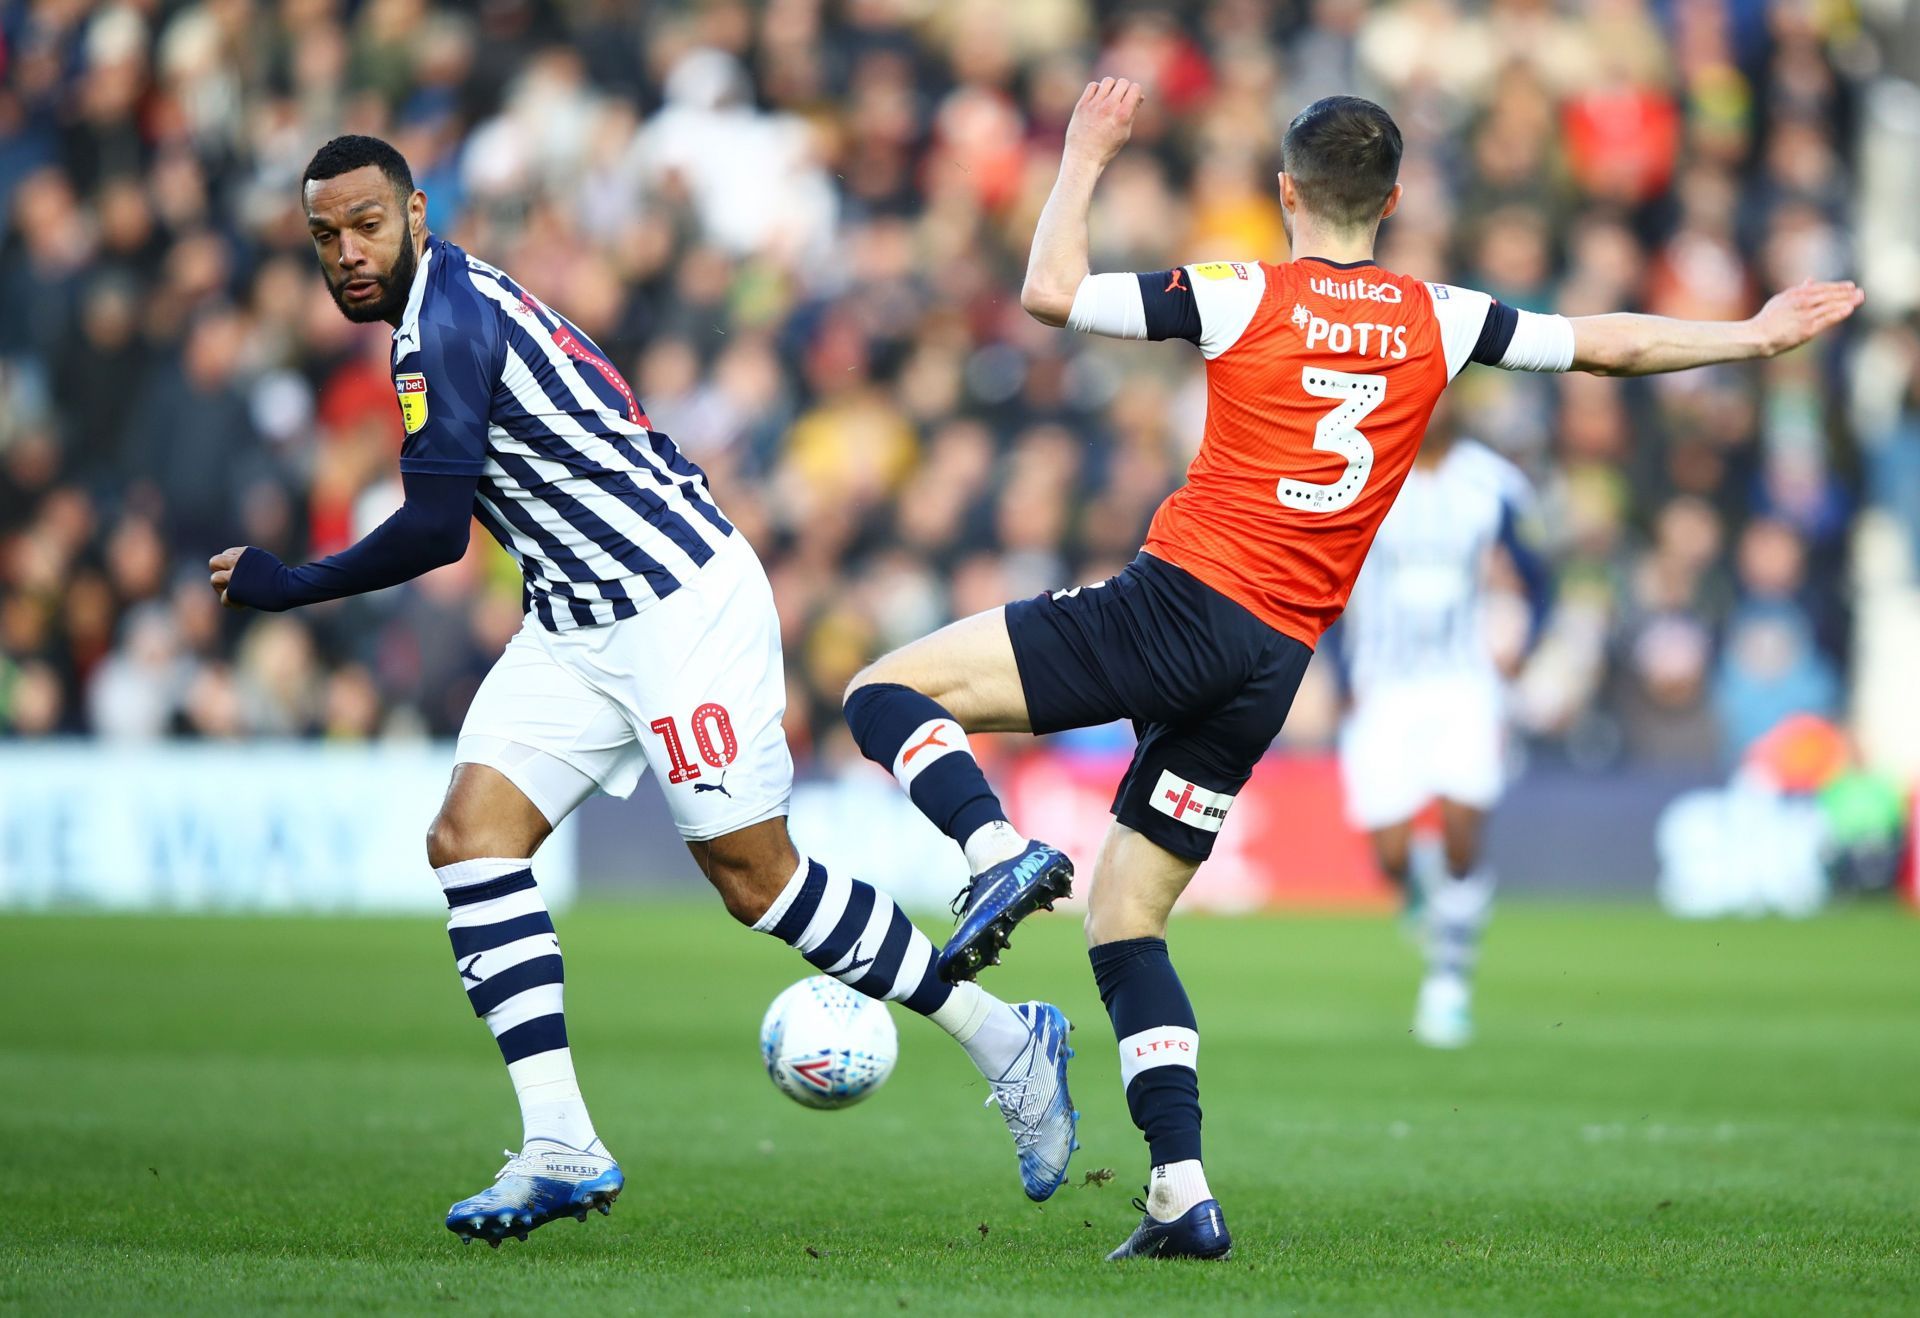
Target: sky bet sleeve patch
[(412, 388)]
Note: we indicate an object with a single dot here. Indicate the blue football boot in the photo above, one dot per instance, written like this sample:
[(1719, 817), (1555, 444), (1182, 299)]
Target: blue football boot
[(997, 900), (1198, 1233), (1033, 1099), (544, 1181)]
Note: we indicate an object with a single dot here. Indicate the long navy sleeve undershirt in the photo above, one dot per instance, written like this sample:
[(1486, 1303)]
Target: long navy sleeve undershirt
[(430, 530), (1535, 577)]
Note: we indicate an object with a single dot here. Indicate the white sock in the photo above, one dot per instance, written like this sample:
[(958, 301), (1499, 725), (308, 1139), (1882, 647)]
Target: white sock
[(499, 926), (992, 1033), (1174, 1188), (550, 1104), (1466, 900), (1427, 865), (990, 844)]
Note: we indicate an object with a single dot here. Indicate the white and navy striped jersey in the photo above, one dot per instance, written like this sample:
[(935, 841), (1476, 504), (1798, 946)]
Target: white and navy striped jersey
[(1418, 607), (603, 513)]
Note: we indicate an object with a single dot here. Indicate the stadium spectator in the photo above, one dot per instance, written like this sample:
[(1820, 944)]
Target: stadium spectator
[(800, 228)]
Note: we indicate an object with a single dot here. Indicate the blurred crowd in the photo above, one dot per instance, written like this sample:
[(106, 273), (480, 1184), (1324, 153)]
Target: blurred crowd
[(800, 227)]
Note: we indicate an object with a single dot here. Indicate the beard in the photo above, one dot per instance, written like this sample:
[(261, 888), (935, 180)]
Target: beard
[(395, 285)]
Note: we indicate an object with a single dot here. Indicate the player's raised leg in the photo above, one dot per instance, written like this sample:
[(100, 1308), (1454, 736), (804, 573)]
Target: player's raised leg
[(705, 693), (504, 945), (1456, 916), (851, 930), (910, 712), (1135, 884)]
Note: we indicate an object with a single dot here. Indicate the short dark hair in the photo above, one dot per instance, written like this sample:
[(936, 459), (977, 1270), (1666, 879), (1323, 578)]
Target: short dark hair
[(1343, 154), (354, 151)]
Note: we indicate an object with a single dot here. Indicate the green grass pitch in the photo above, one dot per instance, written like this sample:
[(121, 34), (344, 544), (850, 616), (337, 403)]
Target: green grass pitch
[(214, 1115)]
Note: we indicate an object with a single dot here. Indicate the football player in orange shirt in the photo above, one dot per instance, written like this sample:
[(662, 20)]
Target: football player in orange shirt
[(1321, 374)]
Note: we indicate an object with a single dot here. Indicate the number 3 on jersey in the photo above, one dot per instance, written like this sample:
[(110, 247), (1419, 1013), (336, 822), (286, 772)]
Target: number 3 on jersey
[(1337, 432)]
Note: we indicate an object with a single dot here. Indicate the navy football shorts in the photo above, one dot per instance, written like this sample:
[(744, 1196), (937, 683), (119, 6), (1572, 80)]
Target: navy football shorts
[(1205, 682)]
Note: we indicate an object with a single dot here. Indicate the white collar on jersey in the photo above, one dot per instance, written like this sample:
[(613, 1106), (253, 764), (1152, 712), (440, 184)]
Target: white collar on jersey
[(406, 335)]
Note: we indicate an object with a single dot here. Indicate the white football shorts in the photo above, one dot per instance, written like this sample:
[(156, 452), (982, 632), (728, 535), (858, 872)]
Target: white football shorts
[(1410, 742), (692, 687)]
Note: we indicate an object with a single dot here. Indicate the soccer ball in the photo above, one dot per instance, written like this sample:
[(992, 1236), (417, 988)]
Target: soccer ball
[(827, 1046)]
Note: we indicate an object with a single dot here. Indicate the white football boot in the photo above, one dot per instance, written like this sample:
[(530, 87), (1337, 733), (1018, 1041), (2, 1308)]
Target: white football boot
[(544, 1181), (1443, 1017)]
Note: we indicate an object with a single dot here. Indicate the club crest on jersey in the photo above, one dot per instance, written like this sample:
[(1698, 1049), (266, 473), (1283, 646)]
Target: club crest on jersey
[(1189, 804), (412, 389)]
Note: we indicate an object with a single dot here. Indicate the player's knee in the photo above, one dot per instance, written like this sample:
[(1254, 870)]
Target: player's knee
[(1463, 856), (1393, 859), (749, 868), (747, 890), (446, 844), (884, 671), (1112, 918), (452, 838)]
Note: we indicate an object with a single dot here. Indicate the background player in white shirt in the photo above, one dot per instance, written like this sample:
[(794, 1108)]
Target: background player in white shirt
[(1427, 722)]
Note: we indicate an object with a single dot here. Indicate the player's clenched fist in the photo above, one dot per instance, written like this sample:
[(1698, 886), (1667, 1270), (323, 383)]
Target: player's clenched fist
[(221, 565), (1794, 315), (1103, 120)]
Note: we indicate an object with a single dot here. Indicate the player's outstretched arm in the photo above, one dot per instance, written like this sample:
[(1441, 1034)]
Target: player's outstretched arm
[(430, 530), (1626, 344), (1101, 124)]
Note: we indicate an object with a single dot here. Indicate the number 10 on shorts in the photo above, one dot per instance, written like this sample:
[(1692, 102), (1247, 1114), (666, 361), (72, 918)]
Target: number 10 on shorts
[(712, 736)]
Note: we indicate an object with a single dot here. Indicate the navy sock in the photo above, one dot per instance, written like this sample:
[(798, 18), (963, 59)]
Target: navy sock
[(1159, 1043), (917, 741)]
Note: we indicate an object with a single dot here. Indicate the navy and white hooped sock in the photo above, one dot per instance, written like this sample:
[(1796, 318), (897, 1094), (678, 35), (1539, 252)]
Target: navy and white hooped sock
[(919, 742), (1159, 1058), (856, 933), (509, 961)]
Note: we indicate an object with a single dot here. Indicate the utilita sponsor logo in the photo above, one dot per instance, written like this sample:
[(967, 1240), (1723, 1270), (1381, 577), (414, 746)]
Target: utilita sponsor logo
[(1352, 288)]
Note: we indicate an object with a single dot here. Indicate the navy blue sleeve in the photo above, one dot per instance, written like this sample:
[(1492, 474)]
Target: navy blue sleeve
[(429, 531), (1495, 334), (1535, 579), (445, 378), (1333, 644), (1171, 310)]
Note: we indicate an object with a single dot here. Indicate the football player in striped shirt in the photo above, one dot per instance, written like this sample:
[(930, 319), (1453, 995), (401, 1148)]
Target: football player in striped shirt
[(1321, 372), (650, 642)]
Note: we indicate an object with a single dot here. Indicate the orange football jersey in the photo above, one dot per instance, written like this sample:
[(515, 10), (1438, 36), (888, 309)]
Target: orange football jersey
[(1320, 382)]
